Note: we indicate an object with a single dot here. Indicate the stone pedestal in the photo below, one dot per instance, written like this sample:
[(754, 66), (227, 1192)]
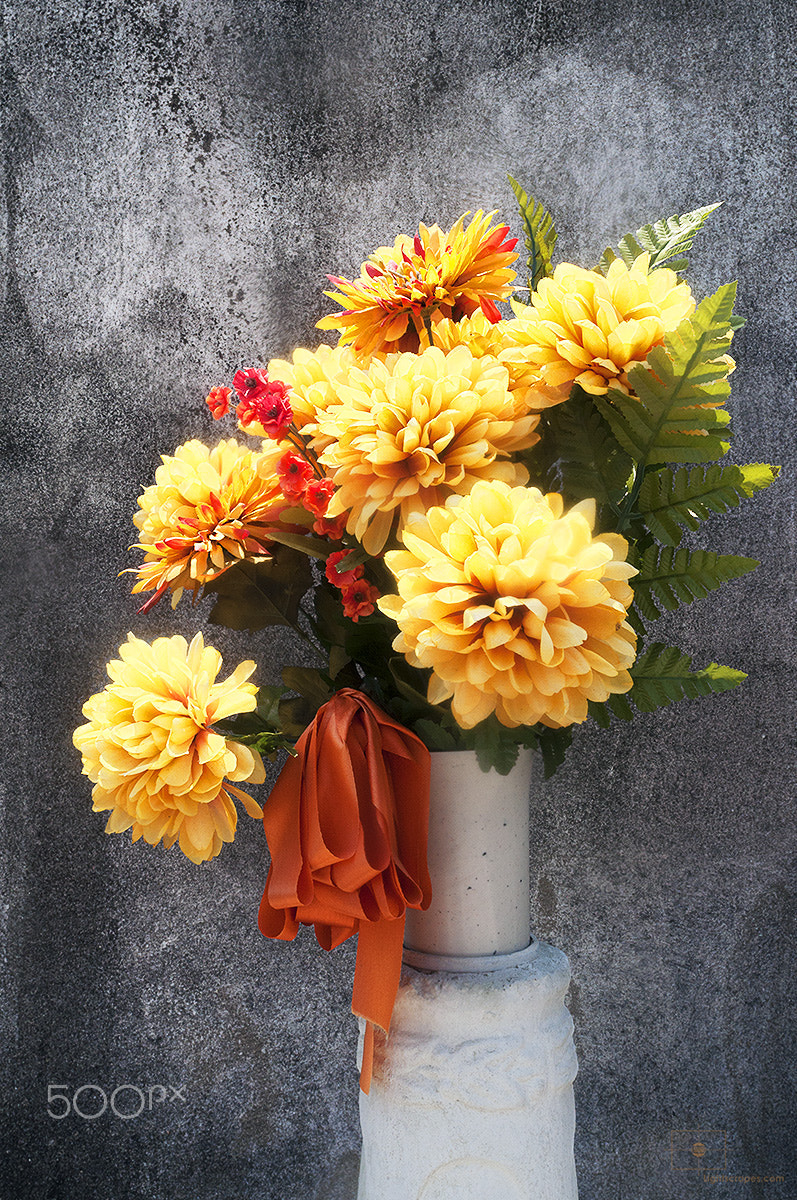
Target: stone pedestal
[(472, 1095)]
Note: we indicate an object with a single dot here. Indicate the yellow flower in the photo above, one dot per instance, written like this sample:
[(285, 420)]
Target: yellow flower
[(409, 431), (207, 509), (484, 337), (150, 748), (402, 285), (583, 328), (514, 605)]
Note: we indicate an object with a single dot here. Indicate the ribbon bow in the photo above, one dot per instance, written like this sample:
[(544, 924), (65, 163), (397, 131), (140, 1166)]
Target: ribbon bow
[(346, 825)]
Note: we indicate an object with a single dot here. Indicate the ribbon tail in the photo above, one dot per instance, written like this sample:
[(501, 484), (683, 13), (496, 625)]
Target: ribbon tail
[(376, 980)]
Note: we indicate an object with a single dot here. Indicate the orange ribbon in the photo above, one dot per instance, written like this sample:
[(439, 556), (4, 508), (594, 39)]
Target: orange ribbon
[(346, 826)]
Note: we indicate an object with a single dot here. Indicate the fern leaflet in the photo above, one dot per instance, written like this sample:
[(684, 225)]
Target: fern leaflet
[(586, 459), (669, 577), (666, 241), (669, 500), (540, 234), (663, 675)]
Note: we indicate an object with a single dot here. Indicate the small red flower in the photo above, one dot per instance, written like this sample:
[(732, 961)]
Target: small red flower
[(251, 383), (342, 579), (358, 600), (331, 527), (270, 409), (294, 475), (318, 496), (218, 401), (273, 410)]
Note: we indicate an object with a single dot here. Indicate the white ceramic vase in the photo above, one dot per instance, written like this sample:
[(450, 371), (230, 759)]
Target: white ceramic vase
[(472, 1096), (478, 861)]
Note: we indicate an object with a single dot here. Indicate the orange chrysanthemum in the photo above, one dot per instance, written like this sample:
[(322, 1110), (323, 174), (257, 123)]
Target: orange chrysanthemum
[(149, 747), (409, 431), (514, 605), (584, 328), (403, 285), (207, 509)]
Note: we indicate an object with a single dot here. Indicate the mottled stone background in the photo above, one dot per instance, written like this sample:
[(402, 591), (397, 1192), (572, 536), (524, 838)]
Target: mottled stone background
[(177, 179)]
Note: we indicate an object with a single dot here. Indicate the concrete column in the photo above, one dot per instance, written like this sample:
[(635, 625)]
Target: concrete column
[(472, 1095)]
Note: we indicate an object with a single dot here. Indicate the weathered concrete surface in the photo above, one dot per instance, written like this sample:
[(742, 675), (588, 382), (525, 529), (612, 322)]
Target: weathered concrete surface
[(177, 180)]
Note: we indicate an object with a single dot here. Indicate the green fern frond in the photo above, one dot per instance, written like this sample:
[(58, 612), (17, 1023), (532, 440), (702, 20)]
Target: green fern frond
[(669, 500), (617, 705), (663, 675), (540, 234), (553, 744), (675, 414), (666, 241), (669, 577), (586, 457)]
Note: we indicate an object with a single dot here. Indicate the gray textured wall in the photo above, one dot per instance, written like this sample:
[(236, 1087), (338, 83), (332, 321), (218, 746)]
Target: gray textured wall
[(177, 179)]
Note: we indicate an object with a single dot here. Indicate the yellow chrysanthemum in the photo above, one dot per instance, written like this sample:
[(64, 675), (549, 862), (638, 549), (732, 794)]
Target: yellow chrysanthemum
[(583, 328), (484, 337), (514, 605), (207, 509), (409, 431), (151, 751), (402, 285)]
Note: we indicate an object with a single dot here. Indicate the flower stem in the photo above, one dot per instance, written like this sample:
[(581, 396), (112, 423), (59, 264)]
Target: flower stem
[(629, 504), (427, 324)]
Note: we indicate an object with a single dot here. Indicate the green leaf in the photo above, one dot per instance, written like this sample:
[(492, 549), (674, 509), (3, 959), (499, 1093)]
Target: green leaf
[(671, 499), (616, 705), (675, 414), (495, 747), (540, 234), (667, 241), (295, 714), (411, 685), (663, 675), (252, 595), (434, 735), (553, 744), (669, 577), (313, 547), (584, 455), (308, 682)]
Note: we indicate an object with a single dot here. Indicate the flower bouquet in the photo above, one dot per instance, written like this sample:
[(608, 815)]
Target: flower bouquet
[(471, 515)]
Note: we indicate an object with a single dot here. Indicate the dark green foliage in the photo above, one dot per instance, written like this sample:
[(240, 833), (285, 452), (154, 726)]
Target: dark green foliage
[(584, 457), (253, 595), (553, 744)]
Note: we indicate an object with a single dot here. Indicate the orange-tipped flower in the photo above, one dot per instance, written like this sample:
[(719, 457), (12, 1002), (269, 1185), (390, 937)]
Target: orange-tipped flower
[(402, 286), (207, 509)]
